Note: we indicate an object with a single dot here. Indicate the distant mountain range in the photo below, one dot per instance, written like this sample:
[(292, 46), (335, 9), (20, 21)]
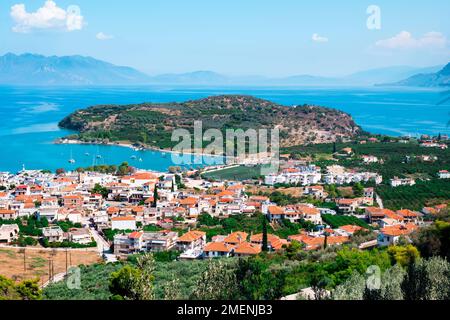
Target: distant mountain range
[(32, 69), (441, 78)]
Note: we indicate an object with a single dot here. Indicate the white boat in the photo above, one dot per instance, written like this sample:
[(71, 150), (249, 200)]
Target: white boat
[(71, 160)]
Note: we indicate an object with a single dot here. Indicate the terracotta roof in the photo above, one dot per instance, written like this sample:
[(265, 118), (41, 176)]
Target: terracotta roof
[(259, 198), (112, 210), (407, 213), (247, 248), (218, 247), (225, 193), (275, 210), (351, 228), (225, 200), (378, 212), (298, 237), (141, 176), (137, 209), (399, 230), (347, 201), (73, 197), (191, 236), (274, 241), (317, 242), (4, 211), (135, 235), (236, 237), (188, 201), (308, 210), (127, 218), (236, 187)]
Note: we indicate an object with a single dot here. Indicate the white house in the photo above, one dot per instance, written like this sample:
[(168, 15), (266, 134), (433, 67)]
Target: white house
[(123, 223), (80, 236), (9, 233), (397, 182), (390, 235), (369, 159), (444, 174)]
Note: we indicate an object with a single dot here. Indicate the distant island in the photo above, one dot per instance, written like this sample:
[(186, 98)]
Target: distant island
[(151, 124)]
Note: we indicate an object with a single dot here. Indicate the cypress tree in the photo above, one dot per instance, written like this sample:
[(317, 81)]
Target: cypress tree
[(265, 246), (155, 196)]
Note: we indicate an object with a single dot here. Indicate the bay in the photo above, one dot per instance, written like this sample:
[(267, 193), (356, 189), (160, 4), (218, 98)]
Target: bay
[(29, 118)]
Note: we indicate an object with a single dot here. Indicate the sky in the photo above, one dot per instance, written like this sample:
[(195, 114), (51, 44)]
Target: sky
[(233, 37)]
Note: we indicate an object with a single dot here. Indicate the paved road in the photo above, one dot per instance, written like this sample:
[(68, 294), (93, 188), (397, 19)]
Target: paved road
[(103, 247), (102, 244), (379, 201)]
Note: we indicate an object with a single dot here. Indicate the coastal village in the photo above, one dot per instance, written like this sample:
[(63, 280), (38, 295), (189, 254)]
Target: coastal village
[(119, 215)]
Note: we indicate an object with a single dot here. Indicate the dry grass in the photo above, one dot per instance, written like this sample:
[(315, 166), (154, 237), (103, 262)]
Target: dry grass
[(12, 263), (295, 192)]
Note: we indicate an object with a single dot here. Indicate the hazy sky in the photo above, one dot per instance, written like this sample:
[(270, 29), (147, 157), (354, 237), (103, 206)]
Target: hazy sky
[(267, 37)]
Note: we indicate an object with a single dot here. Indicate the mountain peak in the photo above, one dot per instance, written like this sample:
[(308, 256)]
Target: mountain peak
[(437, 79), (446, 70), (35, 69)]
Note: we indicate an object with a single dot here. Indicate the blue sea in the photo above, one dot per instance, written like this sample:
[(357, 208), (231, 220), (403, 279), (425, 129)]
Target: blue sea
[(29, 118)]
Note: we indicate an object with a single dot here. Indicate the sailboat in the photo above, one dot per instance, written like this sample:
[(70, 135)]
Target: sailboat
[(71, 160), (98, 153)]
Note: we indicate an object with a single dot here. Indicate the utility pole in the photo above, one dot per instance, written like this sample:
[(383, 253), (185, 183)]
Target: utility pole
[(24, 260), (53, 270), (49, 271)]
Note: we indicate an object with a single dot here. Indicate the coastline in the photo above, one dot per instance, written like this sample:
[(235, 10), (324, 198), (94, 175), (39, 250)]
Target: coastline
[(130, 145)]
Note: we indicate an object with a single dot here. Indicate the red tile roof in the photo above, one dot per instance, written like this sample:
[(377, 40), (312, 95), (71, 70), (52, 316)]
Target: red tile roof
[(218, 247), (191, 236), (247, 249), (399, 230)]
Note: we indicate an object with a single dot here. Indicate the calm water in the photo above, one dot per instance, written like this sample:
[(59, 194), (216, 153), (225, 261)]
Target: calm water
[(29, 118)]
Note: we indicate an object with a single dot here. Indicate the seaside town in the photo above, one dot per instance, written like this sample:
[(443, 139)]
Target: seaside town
[(349, 198), (132, 211), (223, 159)]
